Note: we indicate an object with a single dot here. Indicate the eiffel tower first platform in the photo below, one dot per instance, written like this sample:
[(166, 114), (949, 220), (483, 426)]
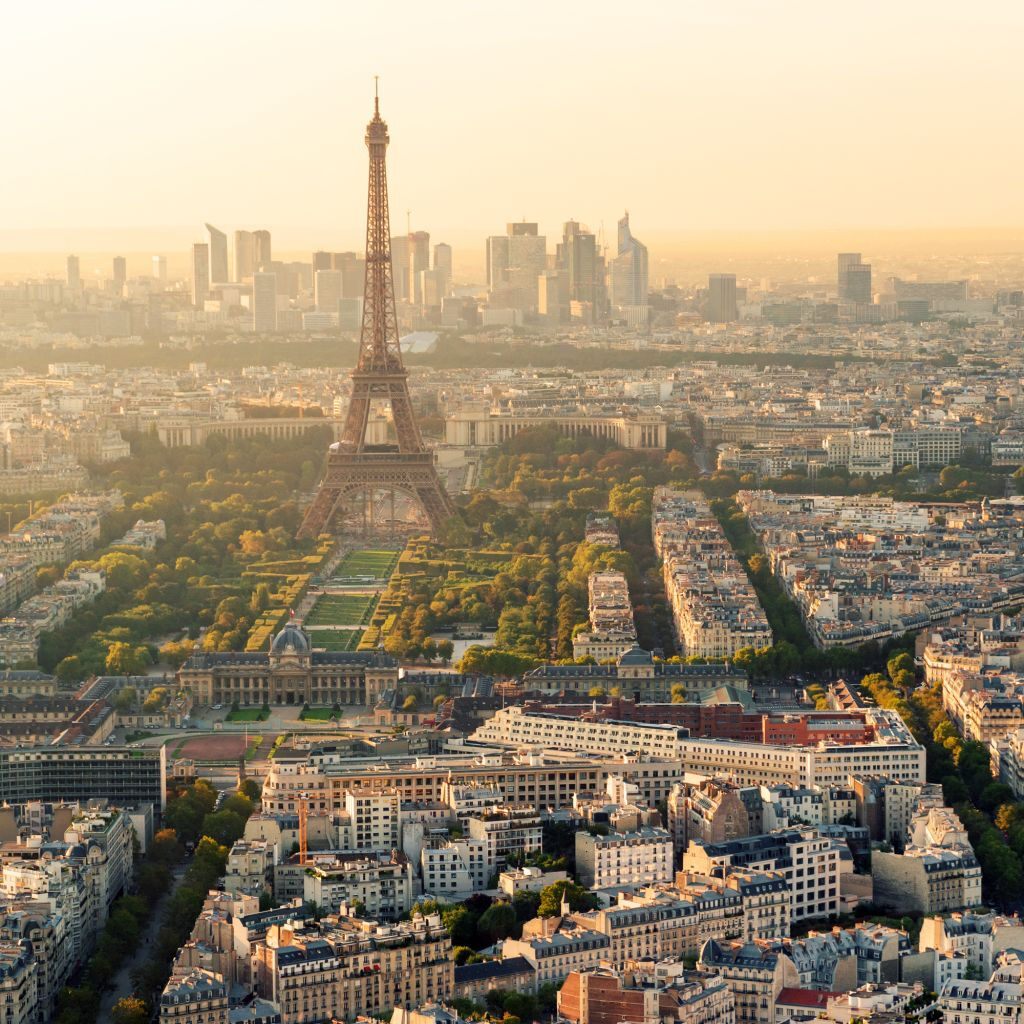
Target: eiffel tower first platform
[(354, 466)]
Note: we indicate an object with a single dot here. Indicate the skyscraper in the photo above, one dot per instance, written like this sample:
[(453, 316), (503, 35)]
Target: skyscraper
[(74, 273), (858, 283), (261, 250), (578, 257), (419, 260), (245, 255), (848, 276), (400, 267), (160, 269), (322, 261), (443, 258), (514, 262), (120, 274), (327, 290), (200, 274), (722, 298), (218, 255), (264, 301), (629, 269)]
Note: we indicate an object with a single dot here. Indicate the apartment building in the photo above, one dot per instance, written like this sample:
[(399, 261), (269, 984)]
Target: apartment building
[(197, 996), (982, 1002), (929, 880), (558, 946), (539, 780), (639, 857), (755, 973), (345, 967), (634, 993), (456, 868), (506, 831), (893, 751), (807, 860), (19, 996), (714, 607), (371, 819), (382, 884), (611, 630)]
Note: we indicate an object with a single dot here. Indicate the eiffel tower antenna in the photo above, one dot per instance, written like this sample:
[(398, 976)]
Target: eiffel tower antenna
[(355, 466)]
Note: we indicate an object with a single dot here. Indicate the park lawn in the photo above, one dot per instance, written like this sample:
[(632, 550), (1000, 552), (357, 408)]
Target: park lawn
[(316, 715), (247, 715), (341, 610), (254, 745), (368, 562), (336, 639)]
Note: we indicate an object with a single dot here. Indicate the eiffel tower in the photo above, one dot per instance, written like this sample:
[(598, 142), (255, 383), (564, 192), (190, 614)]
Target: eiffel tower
[(353, 465)]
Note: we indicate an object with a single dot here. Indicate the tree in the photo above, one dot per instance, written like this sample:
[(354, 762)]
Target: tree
[(126, 698), (250, 788), (901, 662), (498, 921), (579, 899), (70, 670), (445, 650), (224, 827), (125, 659), (130, 1010), (166, 848)]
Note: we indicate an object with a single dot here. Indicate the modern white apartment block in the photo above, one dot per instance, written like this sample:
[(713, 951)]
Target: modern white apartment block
[(641, 857)]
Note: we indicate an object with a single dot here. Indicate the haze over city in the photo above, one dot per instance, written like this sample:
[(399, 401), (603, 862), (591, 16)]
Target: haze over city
[(511, 514)]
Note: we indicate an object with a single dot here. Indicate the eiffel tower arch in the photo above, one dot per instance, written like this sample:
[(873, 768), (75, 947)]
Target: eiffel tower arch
[(354, 466)]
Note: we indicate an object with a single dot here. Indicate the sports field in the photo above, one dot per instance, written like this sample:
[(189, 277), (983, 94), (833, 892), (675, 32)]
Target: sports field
[(336, 639), (368, 562), (341, 610)]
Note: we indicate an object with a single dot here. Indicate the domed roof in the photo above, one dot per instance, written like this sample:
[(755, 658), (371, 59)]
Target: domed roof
[(291, 640), (636, 656)]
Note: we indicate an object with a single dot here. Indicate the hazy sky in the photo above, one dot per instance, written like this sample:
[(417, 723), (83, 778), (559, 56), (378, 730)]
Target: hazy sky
[(695, 115)]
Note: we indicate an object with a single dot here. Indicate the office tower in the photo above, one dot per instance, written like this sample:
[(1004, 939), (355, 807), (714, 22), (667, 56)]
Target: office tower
[(858, 284), (356, 466), (844, 261), (353, 273), (120, 274), (245, 255), (629, 269), (262, 257), (218, 255), (443, 259), (264, 301), (432, 287), (322, 261), (553, 296), (496, 256), (160, 269), (400, 267), (327, 290), (722, 298), (578, 256), (419, 261), (514, 262), (74, 273), (200, 274)]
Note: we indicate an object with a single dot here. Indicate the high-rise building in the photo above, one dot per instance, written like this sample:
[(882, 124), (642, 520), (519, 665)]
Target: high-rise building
[(327, 290), (400, 267), (245, 255), (514, 262), (74, 273), (353, 273), (578, 256), (853, 278), (120, 274), (322, 261), (264, 301), (443, 259), (722, 298), (218, 255), (262, 257), (858, 283), (419, 261), (160, 269), (553, 295), (200, 274), (629, 269)]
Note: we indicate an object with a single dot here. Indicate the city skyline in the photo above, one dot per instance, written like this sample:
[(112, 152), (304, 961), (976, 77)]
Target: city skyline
[(825, 144)]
